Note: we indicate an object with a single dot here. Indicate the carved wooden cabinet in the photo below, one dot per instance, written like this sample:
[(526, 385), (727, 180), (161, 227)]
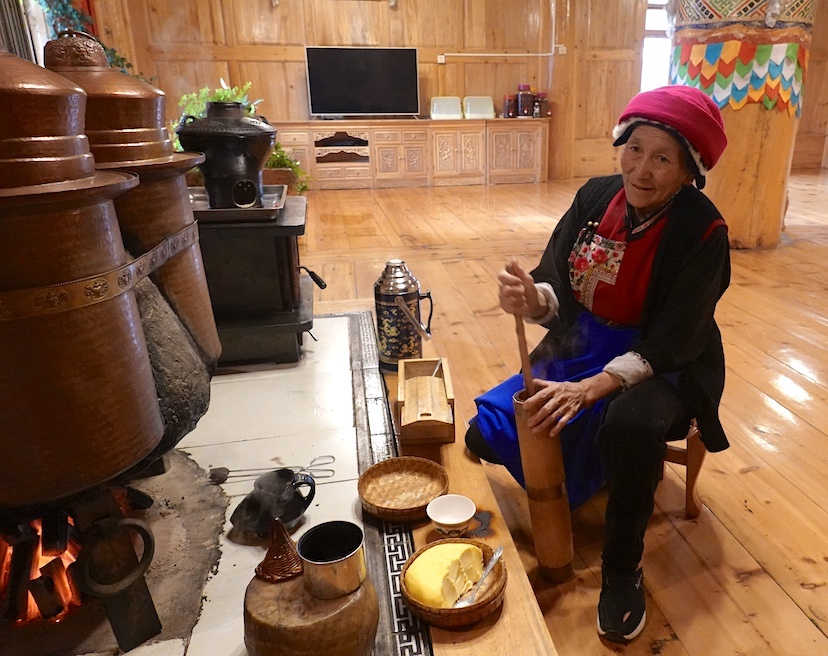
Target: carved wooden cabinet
[(342, 158), (361, 153), (297, 143), (516, 150), (400, 157), (458, 152)]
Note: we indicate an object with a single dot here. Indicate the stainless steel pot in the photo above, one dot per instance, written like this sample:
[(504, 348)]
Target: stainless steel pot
[(333, 559)]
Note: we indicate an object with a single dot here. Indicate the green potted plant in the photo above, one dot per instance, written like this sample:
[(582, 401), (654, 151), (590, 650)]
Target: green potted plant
[(280, 168)]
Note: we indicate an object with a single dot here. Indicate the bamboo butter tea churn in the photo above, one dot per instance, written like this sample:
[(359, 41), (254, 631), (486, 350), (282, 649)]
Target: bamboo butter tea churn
[(400, 332)]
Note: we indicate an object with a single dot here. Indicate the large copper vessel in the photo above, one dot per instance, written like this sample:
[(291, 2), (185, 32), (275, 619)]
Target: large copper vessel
[(79, 403), (125, 127)]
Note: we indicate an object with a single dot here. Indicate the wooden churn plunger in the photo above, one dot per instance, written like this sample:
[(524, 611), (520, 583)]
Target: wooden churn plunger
[(545, 480)]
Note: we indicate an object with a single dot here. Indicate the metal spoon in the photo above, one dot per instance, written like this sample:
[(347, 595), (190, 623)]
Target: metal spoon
[(469, 600)]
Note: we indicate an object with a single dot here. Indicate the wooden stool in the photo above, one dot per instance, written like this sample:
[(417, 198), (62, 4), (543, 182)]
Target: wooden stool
[(691, 457)]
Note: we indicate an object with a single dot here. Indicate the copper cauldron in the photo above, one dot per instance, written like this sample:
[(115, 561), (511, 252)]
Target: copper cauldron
[(125, 127), (79, 401)]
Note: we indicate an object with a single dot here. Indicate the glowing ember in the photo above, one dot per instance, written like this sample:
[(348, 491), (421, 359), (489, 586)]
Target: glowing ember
[(51, 592)]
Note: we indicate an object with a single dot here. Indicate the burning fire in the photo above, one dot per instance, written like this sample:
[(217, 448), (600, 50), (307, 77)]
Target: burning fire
[(51, 591)]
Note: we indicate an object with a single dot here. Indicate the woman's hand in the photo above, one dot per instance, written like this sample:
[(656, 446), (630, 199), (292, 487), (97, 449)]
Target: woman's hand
[(554, 405), (518, 294)]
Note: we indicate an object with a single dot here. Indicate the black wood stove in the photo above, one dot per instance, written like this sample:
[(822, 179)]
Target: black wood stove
[(261, 300)]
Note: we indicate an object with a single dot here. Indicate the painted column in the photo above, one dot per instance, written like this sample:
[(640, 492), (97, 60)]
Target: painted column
[(750, 56)]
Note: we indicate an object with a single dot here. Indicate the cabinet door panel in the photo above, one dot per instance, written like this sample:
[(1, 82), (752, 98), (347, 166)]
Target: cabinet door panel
[(387, 159), (445, 152), (500, 151), (527, 151), (472, 153), (415, 160)]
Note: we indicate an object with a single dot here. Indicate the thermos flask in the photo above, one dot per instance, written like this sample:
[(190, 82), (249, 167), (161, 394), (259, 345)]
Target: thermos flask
[(400, 332)]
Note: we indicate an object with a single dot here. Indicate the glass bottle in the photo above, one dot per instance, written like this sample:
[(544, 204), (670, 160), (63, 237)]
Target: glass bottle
[(525, 101), (543, 103), (509, 105)]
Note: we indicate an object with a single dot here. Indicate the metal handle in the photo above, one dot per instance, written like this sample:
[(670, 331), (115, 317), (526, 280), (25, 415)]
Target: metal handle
[(422, 330), (427, 295), (300, 480), (315, 277), (104, 590)]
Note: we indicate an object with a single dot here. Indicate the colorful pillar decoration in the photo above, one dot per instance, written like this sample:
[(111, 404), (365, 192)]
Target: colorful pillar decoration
[(739, 51), (751, 57)]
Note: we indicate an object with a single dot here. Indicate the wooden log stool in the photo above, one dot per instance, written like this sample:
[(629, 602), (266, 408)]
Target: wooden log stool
[(691, 456), (283, 618)]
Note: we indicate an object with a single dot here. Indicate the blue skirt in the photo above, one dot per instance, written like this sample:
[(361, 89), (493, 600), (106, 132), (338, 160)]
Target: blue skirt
[(595, 345)]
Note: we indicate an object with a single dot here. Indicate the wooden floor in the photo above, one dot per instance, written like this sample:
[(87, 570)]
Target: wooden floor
[(750, 575)]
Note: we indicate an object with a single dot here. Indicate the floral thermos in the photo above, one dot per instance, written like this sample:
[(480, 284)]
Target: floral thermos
[(400, 332)]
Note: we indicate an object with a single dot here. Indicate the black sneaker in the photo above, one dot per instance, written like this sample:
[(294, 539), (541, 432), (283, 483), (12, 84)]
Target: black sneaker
[(621, 608)]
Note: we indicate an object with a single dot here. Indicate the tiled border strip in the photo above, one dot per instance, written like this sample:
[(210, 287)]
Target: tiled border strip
[(388, 545)]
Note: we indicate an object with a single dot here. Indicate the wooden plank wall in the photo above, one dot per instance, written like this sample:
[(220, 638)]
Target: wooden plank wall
[(600, 73), (490, 46), (811, 148), (586, 53)]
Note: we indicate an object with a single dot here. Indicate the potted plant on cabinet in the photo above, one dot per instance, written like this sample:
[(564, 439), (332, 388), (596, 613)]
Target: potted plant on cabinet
[(280, 167)]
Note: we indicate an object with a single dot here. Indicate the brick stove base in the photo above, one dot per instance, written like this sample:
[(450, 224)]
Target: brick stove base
[(186, 519)]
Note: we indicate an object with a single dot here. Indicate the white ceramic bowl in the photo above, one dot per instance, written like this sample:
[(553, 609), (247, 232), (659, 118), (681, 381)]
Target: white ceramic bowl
[(451, 514)]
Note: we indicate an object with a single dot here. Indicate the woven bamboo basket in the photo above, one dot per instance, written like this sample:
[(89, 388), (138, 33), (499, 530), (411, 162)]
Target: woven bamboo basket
[(282, 561), (399, 489), (488, 600)]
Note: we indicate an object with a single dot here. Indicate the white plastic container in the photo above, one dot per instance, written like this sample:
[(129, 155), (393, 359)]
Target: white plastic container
[(446, 108), (478, 107)]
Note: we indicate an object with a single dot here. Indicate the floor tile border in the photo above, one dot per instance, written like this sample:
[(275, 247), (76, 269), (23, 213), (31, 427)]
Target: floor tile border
[(388, 545)]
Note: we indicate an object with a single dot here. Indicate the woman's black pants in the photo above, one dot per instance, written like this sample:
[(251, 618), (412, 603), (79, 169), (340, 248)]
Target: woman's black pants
[(632, 440)]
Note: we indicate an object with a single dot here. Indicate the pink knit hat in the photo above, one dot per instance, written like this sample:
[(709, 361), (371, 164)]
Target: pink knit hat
[(688, 111)]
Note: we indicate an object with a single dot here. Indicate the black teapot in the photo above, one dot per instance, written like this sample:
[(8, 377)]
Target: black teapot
[(235, 148), (275, 494)]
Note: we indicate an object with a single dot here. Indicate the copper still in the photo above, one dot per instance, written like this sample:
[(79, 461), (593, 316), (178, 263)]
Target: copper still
[(79, 400), (125, 127)]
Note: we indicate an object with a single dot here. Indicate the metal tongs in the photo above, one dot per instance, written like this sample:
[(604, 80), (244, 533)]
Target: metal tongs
[(315, 468)]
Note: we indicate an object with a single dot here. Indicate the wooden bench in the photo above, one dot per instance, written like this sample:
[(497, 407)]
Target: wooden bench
[(520, 616)]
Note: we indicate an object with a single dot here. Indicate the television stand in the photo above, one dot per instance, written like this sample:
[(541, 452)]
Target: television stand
[(371, 117), (374, 153)]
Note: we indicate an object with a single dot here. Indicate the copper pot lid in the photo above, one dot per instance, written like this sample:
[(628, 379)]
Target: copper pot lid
[(43, 148), (124, 115)]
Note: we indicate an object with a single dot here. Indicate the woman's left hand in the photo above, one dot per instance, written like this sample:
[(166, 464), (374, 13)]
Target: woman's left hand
[(554, 405)]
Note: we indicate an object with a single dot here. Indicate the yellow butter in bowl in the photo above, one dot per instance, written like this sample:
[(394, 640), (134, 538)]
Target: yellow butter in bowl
[(440, 575)]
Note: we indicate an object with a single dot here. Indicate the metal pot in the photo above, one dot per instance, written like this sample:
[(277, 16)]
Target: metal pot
[(235, 147), (333, 559)]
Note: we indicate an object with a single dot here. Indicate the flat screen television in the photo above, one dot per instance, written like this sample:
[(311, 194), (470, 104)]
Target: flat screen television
[(361, 81)]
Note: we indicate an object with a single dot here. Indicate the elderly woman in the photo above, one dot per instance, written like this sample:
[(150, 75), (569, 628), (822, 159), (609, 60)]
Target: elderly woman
[(627, 288)]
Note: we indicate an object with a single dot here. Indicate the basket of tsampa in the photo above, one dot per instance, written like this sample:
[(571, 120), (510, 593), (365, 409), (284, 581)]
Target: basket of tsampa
[(442, 572)]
